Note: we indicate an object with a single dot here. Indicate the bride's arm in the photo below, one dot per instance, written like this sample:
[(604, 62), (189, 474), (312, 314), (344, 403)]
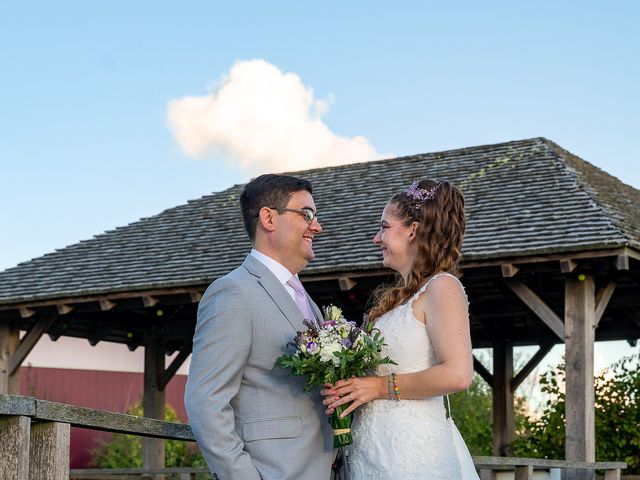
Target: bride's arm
[(444, 309)]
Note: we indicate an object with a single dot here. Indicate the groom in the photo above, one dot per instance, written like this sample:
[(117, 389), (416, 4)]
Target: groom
[(250, 420)]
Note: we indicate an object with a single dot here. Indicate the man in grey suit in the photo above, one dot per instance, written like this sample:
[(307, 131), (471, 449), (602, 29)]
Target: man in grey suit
[(250, 420)]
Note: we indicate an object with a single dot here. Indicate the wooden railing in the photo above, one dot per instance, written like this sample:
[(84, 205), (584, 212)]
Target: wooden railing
[(34, 435), (34, 444), (524, 467), (139, 473)]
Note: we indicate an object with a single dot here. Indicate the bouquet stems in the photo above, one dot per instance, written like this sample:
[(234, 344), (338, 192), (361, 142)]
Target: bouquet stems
[(341, 428)]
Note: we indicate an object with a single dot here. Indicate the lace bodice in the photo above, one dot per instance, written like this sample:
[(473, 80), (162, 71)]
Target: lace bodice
[(406, 338), (407, 439)]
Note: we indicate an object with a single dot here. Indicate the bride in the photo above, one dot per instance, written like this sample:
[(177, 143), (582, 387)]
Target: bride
[(401, 429)]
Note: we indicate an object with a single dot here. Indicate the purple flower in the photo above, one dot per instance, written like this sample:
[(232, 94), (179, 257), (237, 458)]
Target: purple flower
[(346, 342), (420, 195), (312, 347)]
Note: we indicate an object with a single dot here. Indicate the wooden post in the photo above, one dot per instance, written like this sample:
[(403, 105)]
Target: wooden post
[(612, 474), (579, 314), (14, 448), (503, 415), (49, 446), (153, 452), (524, 472), (9, 343), (487, 474)]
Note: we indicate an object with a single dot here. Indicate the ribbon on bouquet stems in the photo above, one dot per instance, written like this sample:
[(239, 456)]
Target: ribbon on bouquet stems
[(341, 427)]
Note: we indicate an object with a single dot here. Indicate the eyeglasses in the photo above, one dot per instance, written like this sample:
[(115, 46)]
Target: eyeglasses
[(308, 214)]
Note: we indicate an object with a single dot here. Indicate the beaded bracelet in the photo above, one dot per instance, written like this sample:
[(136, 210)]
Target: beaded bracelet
[(394, 391), (390, 386)]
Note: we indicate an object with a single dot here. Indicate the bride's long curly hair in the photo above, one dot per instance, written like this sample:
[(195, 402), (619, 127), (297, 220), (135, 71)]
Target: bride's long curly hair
[(440, 230)]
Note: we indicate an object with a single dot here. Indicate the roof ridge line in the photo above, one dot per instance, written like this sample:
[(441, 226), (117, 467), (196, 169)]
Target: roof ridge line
[(561, 154), (487, 146)]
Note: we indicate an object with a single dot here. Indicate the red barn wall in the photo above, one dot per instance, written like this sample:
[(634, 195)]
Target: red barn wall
[(112, 391)]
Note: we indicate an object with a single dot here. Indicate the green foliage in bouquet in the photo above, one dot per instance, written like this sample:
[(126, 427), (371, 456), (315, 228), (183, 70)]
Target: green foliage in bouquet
[(334, 350)]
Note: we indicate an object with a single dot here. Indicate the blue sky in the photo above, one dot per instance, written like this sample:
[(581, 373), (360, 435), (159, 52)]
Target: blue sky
[(85, 142)]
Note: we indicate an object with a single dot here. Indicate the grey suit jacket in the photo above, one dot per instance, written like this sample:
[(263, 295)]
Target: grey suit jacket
[(250, 420)]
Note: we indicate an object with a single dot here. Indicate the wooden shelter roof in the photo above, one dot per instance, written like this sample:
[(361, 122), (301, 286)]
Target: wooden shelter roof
[(525, 198)]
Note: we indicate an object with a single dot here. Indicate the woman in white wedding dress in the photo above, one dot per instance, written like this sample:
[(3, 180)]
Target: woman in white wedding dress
[(400, 429)]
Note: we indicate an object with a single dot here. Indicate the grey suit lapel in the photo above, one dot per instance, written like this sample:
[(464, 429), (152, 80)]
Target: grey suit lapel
[(276, 291), (316, 310)]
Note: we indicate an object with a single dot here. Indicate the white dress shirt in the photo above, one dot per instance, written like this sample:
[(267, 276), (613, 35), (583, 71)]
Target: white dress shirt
[(280, 271)]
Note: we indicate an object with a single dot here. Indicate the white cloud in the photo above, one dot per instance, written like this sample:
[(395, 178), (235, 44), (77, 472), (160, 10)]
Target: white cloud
[(265, 120)]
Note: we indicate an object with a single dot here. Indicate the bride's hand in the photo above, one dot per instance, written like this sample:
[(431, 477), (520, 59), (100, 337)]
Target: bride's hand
[(329, 393), (356, 391)]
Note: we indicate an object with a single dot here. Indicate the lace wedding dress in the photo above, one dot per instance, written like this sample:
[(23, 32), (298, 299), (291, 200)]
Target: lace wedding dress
[(408, 439)]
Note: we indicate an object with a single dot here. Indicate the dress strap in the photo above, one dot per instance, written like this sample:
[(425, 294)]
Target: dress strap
[(424, 287)]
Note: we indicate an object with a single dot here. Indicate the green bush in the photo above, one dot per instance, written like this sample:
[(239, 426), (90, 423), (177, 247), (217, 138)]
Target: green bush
[(125, 451), (471, 410), (617, 416)]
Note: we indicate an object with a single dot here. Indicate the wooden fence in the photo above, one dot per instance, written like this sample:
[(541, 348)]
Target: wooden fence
[(34, 444)]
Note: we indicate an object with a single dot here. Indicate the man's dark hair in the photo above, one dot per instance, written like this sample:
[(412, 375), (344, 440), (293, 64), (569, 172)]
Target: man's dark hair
[(267, 190)]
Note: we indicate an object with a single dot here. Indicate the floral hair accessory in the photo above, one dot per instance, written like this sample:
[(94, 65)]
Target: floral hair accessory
[(420, 195)]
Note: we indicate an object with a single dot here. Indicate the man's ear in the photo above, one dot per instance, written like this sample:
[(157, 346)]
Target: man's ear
[(266, 218)]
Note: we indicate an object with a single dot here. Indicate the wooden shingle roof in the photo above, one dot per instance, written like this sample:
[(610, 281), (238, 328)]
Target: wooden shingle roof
[(524, 198)]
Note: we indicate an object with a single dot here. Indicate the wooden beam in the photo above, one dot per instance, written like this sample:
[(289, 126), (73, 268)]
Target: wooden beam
[(149, 301), (153, 400), (503, 412), (346, 283), (482, 371), (106, 305), (602, 300), (508, 270), (63, 308), (9, 343), (622, 262), (28, 342), (56, 331), (98, 334), (530, 365), (536, 304), (112, 297), (567, 265), (608, 253), (580, 396), (554, 257), (631, 315), (177, 362), (26, 312)]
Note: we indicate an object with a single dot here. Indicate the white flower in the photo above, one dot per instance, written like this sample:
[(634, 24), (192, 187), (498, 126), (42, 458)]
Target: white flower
[(327, 353), (332, 313)]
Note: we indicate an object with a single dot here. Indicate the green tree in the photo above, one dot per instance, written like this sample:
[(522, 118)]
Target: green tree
[(125, 451), (471, 410), (617, 416)]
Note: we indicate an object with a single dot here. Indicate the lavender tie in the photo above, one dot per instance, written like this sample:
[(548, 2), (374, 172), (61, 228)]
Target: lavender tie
[(301, 299)]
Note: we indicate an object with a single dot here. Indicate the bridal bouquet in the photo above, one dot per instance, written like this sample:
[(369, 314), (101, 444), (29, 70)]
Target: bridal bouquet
[(336, 349)]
